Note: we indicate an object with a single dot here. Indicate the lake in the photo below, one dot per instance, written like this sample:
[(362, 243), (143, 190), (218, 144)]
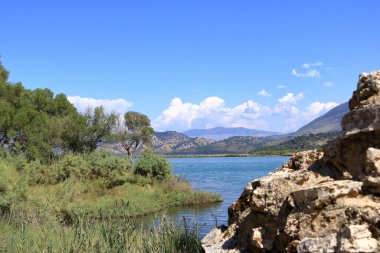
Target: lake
[(224, 175)]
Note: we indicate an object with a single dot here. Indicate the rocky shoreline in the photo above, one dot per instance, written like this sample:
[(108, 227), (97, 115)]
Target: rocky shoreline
[(319, 201)]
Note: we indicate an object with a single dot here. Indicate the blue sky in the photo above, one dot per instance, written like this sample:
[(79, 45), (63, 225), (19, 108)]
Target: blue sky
[(272, 65)]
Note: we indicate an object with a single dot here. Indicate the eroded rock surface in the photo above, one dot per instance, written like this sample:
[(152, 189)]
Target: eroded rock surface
[(319, 201)]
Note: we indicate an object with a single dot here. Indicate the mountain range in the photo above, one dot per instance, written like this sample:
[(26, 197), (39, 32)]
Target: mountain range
[(222, 133), (240, 140)]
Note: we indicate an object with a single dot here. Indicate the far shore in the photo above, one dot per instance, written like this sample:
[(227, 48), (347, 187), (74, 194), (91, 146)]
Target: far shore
[(227, 155)]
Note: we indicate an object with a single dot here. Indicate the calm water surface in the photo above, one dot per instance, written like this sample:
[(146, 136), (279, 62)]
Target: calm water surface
[(224, 175)]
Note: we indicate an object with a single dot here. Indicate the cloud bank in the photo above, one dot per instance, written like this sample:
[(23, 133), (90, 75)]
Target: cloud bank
[(285, 116), (118, 106)]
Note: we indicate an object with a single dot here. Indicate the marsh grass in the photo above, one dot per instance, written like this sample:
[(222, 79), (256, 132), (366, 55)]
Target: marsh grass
[(122, 234), (97, 206)]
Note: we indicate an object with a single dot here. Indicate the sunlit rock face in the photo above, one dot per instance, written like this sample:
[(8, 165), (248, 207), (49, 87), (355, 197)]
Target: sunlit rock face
[(319, 201)]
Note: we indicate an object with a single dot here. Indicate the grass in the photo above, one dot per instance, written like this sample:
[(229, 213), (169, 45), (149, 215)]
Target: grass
[(94, 208), (273, 152), (121, 234)]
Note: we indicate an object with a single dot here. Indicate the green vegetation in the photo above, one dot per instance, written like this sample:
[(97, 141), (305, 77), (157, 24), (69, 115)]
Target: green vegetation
[(58, 194), (86, 203), (172, 143), (265, 152), (296, 144), (121, 234), (39, 124), (150, 164), (134, 131)]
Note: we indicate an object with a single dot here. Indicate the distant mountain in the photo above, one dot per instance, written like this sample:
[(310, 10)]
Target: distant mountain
[(171, 141), (164, 143), (232, 145), (222, 133), (294, 144), (329, 122), (313, 135), (240, 140)]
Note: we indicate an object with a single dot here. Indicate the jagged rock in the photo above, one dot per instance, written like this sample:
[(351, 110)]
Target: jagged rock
[(362, 119), (220, 239), (372, 170), (354, 238), (320, 195), (367, 91), (361, 135), (319, 201)]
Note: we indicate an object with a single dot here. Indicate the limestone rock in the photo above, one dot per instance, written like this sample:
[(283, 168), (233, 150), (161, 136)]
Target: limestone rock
[(362, 119), (319, 201), (220, 239), (354, 238), (321, 195), (367, 91)]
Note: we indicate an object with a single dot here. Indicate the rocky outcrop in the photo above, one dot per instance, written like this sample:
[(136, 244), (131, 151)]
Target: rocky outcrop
[(319, 201)]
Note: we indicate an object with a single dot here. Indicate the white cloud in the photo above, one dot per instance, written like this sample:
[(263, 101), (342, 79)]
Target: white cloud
[(328, 84), (212, 112), (313, 73), (316, 108), (290, 98), (281, 86), (119, 105), (309, 71), (264, 93), (308, 65)]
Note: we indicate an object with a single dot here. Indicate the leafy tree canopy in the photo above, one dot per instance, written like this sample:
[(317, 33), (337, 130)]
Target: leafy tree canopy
[(134, 131), (40, 124)]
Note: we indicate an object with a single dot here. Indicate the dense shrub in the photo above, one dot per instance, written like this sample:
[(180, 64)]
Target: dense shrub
[(41, 173), (12, 190), (153, 165), (103, 165)]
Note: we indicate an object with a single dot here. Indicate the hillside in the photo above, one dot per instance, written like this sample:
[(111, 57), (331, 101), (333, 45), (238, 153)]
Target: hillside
[(164, 143), (329, 122), (295, 144), (312, 135), (171, 141), (222, 133), (232, 145)]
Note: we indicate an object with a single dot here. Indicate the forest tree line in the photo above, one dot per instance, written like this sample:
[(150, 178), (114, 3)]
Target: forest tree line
[(41, 125)]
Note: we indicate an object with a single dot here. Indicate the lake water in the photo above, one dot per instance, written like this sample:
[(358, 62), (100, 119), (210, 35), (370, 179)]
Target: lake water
[(224, 175)]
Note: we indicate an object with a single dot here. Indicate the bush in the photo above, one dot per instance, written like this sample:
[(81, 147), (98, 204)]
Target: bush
[(104, 164), (72, 166), (96, 165), (41, 173), (12, 189), (153, 165)]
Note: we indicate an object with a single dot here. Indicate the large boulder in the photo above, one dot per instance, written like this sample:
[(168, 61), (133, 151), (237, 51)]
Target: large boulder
[(319, 201)]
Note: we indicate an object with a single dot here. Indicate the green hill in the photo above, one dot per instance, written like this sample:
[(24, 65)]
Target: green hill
[(164, 143)]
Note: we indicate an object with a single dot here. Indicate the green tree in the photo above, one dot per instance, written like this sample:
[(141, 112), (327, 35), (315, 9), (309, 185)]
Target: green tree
[(83, 133), (134, 131), (30, 119), (6, 112), (4, 74)]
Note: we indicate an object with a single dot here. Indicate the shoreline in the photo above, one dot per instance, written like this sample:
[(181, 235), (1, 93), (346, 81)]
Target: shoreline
[(228, 155)]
